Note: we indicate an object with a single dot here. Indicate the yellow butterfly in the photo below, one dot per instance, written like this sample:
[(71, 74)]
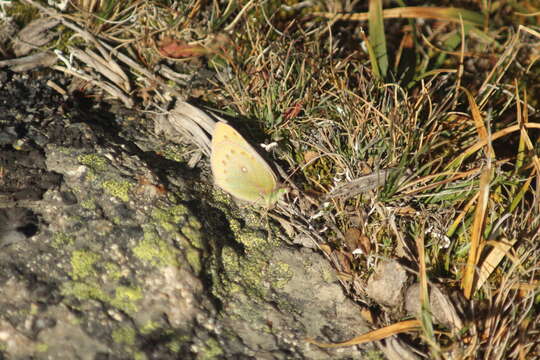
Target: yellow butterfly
[(240, 170)]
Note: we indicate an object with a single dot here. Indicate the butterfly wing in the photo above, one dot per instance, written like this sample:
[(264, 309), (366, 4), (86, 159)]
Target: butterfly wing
[(239, 169)]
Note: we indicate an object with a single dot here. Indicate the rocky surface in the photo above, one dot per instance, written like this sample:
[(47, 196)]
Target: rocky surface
[(111, 250)]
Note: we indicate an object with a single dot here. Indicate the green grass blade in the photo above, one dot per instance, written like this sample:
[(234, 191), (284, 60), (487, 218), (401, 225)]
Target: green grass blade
[(377, 37)]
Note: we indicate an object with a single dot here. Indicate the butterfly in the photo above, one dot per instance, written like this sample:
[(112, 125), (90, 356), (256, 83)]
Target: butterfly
[(240, 170)]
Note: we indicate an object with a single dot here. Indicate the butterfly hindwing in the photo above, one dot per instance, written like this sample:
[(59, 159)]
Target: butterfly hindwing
[(239, 169)]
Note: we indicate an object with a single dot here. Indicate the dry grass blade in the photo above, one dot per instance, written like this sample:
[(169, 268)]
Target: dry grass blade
[(107, 67), (522, 114), (476, 233), (478, 145), (379, 334), (468, 281), (25, 63), (479, 123), (105, 50), (189, 121), (492, 260), (414, 12)]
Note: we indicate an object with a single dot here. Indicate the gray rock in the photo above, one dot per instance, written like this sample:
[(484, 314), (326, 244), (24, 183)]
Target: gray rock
[(132, 259), (387, 284)]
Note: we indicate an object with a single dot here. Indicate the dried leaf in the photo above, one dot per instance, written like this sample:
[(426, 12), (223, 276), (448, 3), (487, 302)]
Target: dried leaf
[(34, 35), (360, 185), (178, 49)]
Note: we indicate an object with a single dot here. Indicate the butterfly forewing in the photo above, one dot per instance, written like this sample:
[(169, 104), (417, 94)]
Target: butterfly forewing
[(239, 169)]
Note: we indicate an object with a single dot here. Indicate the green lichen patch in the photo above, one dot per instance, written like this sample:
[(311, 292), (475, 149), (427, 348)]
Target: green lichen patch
[(83, 291), (211, 350), (88, 204), (125, 298), (154, 250), (61, 240), (124, 335), (193, 234), (95, 162), (250, 271), (113, 270), (118, 189), (41, 348), (193, 257), (174, 152), (171, 218), (279, 274), (82, 264)]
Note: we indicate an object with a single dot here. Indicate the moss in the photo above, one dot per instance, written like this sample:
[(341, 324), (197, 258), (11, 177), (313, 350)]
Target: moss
[(124, 335), (154, 250), (211, 350), (22, 13), (95, 162), (82, 264), (118, 189), (125, 299)]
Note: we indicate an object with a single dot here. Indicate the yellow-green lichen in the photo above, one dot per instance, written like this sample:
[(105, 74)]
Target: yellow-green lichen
[(139, 356), (279, 274), (118, 189), (174, 152), (149, 327), (82, 264), (88, 204), (249, 270), (61, 240), (154, 250), (124, 335), (193, 234), (211, 350), (194, 259), (170, 218), (174, 346), (84, 291), (41, 347), (113, 271), (125, 298), (95, 162)]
